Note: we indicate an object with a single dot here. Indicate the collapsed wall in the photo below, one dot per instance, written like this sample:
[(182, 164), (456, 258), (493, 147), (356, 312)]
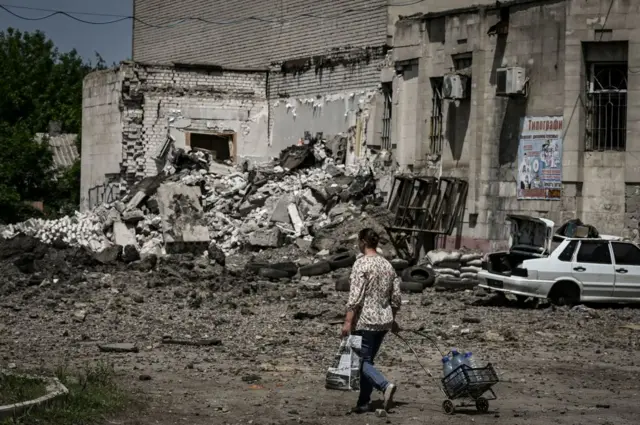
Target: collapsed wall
[(130, 113)]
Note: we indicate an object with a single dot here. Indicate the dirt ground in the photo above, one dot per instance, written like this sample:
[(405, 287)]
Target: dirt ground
[(556, 366)]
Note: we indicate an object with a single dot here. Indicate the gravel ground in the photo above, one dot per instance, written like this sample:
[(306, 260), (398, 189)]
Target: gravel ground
[(556, 365)]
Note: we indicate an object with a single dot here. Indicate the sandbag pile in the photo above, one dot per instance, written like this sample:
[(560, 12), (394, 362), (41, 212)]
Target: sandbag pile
[(455, 268)]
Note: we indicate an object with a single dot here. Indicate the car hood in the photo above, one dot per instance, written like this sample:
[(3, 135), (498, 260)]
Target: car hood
[(530, 234)]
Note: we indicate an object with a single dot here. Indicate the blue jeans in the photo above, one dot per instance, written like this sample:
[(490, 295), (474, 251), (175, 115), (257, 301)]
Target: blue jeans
[(370, 378)]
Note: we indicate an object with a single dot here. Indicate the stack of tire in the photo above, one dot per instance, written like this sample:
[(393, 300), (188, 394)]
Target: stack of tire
[(455, 270), (287, 270), (414, 279)]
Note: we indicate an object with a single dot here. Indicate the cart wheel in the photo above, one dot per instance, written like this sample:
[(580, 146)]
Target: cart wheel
[(482, 404), (448, 407)]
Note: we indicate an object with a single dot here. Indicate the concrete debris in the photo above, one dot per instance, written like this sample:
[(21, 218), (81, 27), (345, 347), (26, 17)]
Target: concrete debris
[(196, 201)]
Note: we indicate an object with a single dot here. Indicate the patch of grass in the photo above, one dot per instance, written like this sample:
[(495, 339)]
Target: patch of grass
[(15, 389), (93, 396)]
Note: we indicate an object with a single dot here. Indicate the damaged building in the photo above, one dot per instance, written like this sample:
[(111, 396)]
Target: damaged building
[(525, 100), (260, 86), (533, 103)]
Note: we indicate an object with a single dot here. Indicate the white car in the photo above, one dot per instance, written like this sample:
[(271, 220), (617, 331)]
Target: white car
[(577, 270)]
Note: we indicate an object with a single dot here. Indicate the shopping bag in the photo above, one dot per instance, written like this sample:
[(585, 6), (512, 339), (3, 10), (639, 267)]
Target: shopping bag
[(344, 372)]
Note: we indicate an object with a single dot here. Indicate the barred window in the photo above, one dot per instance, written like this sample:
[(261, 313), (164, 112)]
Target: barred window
[(435, 131), (606, 106), (387, 92)]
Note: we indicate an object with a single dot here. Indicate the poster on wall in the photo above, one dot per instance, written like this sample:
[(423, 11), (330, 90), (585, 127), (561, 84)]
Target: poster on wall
[(540, 158)]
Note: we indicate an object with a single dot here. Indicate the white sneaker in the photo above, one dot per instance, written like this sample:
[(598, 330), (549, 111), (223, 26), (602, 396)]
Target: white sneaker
[(388, 396)]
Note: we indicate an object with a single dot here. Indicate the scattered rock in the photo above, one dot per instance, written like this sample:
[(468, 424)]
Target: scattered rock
[(118, 348)]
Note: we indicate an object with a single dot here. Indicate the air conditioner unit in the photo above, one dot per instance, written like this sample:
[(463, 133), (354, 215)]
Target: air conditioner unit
[(454, 86), (510, 81)]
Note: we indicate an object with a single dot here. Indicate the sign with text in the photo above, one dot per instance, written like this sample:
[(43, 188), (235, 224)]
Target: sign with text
[(540, 158)]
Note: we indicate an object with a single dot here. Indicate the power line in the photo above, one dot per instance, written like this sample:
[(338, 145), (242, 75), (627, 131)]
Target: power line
[(179, 20)]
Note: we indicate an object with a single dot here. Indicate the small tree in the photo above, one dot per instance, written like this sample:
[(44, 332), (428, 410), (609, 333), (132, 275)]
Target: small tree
[(38, 84)]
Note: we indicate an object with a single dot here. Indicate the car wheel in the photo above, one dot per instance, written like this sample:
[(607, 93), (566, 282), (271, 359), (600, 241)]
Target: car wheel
[(565, 294)]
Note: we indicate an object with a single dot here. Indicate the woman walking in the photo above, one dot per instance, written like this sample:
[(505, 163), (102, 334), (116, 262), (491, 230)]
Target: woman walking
[(374, 301)]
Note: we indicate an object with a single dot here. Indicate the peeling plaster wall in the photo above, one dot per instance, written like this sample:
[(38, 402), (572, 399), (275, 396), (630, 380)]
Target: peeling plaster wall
[(330, 114)]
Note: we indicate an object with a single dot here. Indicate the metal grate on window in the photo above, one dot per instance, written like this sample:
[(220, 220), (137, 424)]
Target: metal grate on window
[(606, 124), (435, 131), (387, 92)]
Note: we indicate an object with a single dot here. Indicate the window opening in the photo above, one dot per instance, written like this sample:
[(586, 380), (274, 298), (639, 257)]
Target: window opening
[(594, 252), (387, 93), (606, 124), (436, 131)]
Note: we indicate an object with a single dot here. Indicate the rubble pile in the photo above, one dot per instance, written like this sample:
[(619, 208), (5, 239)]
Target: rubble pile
[(196, 201), (85, 230), (455, 268)]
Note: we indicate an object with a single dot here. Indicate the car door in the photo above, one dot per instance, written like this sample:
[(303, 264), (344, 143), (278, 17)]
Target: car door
[(627, 267), (593, 267)]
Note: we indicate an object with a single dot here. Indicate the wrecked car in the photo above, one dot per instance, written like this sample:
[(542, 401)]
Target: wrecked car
[(530, 238), (577, 270)]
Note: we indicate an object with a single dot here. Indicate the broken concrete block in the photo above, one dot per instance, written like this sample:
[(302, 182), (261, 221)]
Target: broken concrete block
[(338, 210), (281, 212), (268, 238), (182, 215), (122, 235), (296, 220), (135, 201), (109, 255), (333, 171), (152, 247), (220, 169), (246, 208), (132, 216), (304, 243)]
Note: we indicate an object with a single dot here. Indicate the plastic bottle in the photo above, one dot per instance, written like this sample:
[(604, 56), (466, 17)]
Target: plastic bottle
[(456, 358), (470, 361), (447, 367)]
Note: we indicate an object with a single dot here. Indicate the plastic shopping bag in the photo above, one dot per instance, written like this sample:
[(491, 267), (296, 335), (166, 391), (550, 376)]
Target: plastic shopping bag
[(344, 373)]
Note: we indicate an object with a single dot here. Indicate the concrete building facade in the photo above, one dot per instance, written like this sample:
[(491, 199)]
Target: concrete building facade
[(581, 60)]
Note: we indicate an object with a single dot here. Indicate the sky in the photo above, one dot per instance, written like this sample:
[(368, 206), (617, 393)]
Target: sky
[(112, 42)]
